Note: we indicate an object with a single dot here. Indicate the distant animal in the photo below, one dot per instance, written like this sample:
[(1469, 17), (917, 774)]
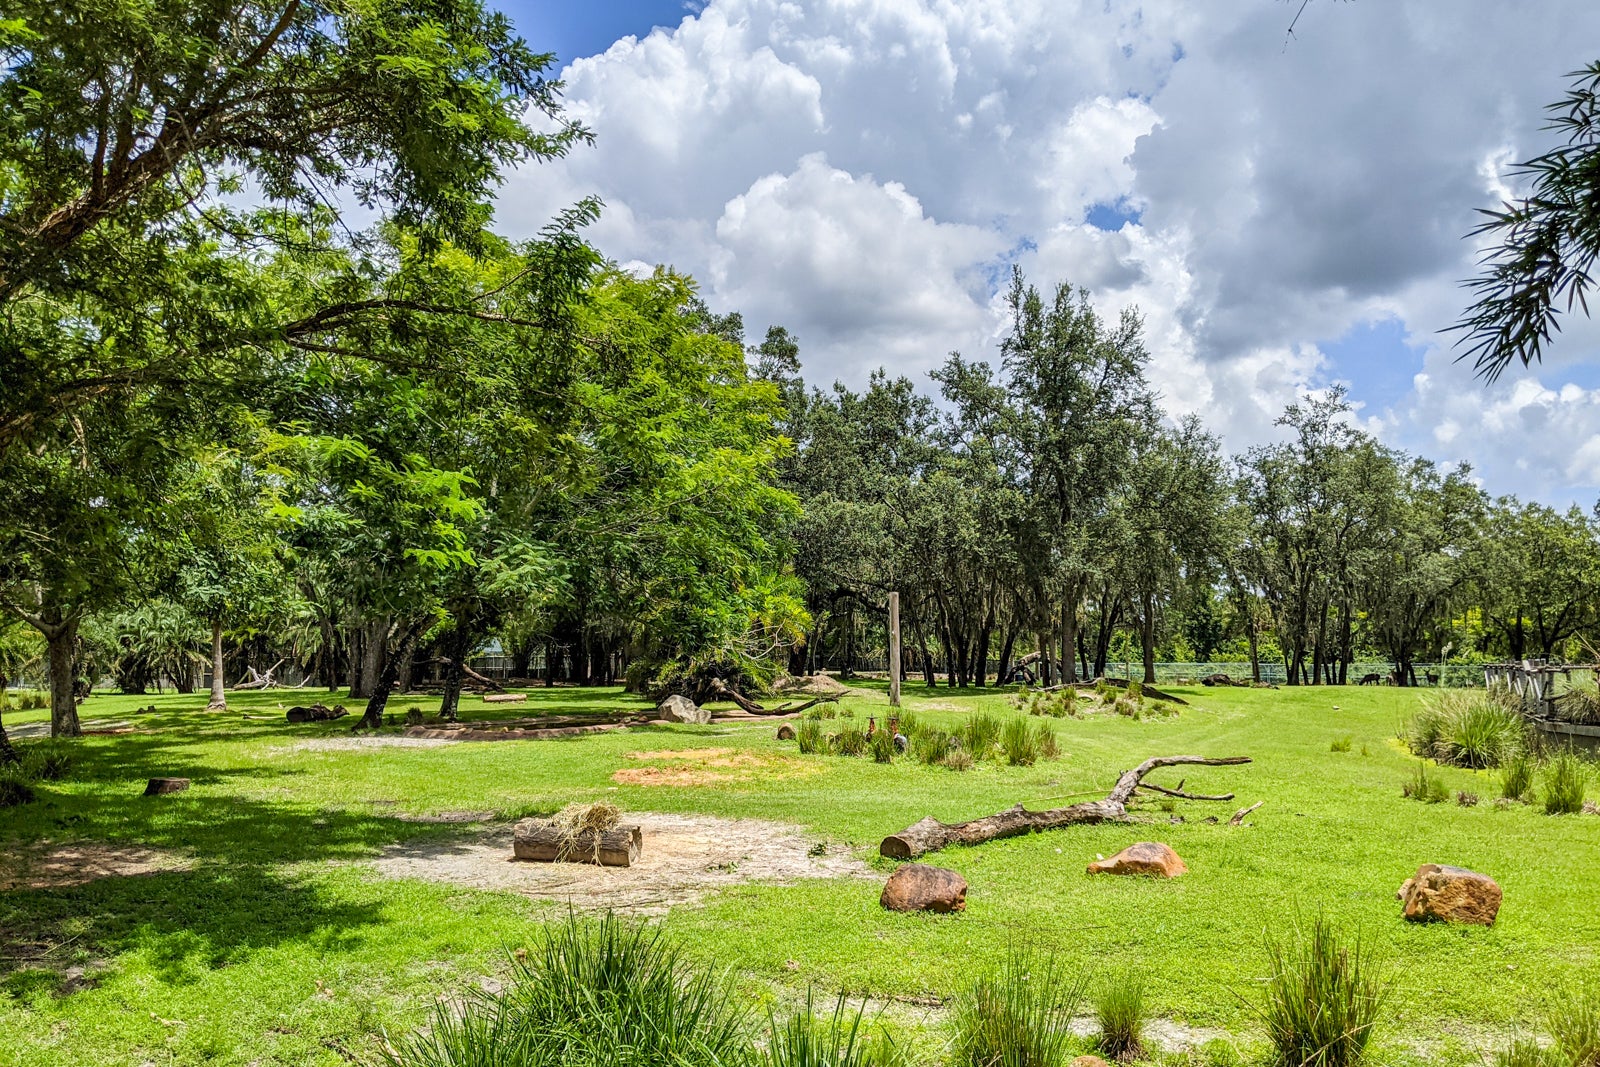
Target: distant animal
[(1216, 679), (1370, 679), (1392, 679), (1433, 679)]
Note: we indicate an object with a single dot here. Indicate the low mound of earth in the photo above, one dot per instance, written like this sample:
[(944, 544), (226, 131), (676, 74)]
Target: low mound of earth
[(684, 857), (815, 685)]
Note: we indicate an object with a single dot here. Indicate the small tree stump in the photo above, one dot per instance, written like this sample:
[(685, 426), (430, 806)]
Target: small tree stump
[(542, 843), (162, 786)]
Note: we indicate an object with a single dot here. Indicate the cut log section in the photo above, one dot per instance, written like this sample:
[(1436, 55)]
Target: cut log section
[(930, 835), (542, 843), (504, 698), (160, 787)]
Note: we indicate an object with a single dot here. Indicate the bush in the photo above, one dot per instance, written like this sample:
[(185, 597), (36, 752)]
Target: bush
[(809, 736), (979, 734), (1422, 787), (1323, 999), (1468, 729), (1019, 743), (589, 990), (1119, 1009), (696, 677), (850, 741), (1044, 739), (806, 1041), (1574, 1026), (821, 711), (1564, 782), (14, 790), (882, 746), (1127, 708), (958, 759), (1516, 777), (1017, 1016), (414, 716), (908, 724), (930, 746), (1136, 691), (1339, 744)]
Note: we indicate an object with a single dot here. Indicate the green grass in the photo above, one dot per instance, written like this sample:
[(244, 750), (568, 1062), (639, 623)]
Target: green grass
[(277, 946)]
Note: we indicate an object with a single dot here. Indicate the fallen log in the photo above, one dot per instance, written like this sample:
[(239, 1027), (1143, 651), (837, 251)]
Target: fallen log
[(930, 835), (261, 681), (1238, 816), (542, 843), (720, 690)]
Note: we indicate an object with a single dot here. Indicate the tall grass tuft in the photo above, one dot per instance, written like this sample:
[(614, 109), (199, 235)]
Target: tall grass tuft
[(1119, 1009), (14, 790), (1339, 744), (1525, 1052), (1565, 779), (979, 734), (809, 736), (1017, 1016), (1574, 1026), (1323, 999), (1516, 777), (1427, 789), (1019, 743), (1044, 739), (590, 991), (1467, 728), (850, 741), (882, 746), (46, 762), (804, 1040), (929, 746)]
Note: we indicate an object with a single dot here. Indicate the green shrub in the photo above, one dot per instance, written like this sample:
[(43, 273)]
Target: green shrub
[(1105, 690), (882, 746), (930, 746), (1017, 1016), (1323, 999), (1425, 788), (821, 711), (809, 736), (414, 716), (1516, 777), (1339, 744), (908, 724), (1467, 729), (1126, 708), (1119, 1009), (958, 759), (587, 991), (850, 741), (14, 790), (1136, 691), (807, 1041), (1019, 743), (1574, 1026), (1564, 782), (46, 762), (979, 734)]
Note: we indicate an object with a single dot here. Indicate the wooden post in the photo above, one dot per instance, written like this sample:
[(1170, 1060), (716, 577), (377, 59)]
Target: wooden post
[(894, 649)]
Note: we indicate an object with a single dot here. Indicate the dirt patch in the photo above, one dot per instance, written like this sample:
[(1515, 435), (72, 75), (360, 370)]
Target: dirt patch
[(448, 817), (64, 866), (684, 857), (711, 766)]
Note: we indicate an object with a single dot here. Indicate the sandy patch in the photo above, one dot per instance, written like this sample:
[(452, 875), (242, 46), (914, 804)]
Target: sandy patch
[(711, 766), (684, 857), (64, 866)]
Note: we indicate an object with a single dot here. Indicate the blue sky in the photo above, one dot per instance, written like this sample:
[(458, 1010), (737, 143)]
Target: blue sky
[(573, 29)]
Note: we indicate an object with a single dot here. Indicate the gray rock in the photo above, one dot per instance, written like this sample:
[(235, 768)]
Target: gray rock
[(681, 709)]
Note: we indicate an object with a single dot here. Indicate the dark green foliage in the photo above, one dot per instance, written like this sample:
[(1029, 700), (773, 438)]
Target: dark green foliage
[(930, 746), (46, 762), (1468, 729), (591, 994), (804, 1040), (1120, 1012), (809, 736), (1565, 781), (1323, 999), (1019, 743), (1017, 1016), (1516, 777), (882, 746), (14, 790), (696, 676), (1425, 787)]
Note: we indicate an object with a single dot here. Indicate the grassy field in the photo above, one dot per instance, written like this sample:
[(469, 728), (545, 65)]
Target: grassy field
[(277, 944)]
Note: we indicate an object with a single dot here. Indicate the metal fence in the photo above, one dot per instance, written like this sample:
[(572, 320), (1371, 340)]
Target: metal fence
[(1447, 675)]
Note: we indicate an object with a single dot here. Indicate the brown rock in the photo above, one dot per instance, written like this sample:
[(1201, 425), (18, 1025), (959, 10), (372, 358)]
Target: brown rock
[(919, 887), (1089, 1061), (162, 786), (1450, 894), (786, 732), (1146, 857)]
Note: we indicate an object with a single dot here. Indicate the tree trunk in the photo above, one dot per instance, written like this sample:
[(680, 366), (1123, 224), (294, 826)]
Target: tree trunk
[(1046, 675), (62, 641), (455, 655), (8, 755), (1069, 641), (219, 692), (1147, 635), (357, 644), (385, 676)]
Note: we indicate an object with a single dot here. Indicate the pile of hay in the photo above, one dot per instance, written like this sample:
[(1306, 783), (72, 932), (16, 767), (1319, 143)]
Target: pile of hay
[(576, 820)]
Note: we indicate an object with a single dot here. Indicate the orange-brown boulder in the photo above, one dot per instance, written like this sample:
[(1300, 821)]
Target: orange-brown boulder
[(1450, 894), (919, 887), (1089, 1061), (1147, 857)]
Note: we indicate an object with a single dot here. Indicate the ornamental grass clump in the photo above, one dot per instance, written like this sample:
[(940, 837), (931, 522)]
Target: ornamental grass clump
[(1574, 1026), (1119, 1009), (1421, 786), (1018, 1015), (979, 734), (850, 741), (1468, 729), (804, 1040), (46, 762), (1044, 739), (882, 747), (1323, 999), (14, 790), (1565, 780), (1516, 777), (1526, 1052), (929, 746), (591, 993), (809, 736), (1019, 743)]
